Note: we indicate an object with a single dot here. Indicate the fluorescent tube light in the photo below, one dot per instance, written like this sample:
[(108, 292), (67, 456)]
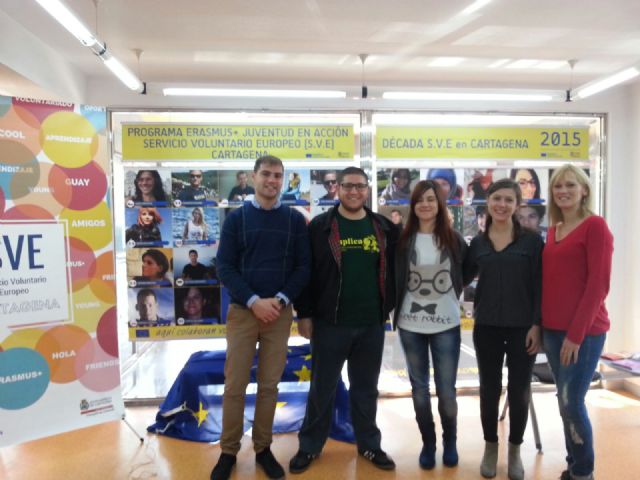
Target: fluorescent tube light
[(446, 61), (237, 92), (475, 6), (501, 97), (608, 82), (121, 71), (499, 63), (68, 20), (74, 25), (523, 63)]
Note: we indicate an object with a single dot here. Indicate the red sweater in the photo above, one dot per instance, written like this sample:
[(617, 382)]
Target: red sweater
[(575, 280)]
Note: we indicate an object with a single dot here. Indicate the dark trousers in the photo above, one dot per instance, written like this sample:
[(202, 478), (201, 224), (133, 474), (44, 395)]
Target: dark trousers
[(491, 345), (331, 346)]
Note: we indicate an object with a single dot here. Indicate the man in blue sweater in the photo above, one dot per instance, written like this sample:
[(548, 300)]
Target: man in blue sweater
[(264, 262)]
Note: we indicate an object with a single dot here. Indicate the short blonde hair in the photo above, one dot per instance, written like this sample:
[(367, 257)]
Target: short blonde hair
[(555, 214)]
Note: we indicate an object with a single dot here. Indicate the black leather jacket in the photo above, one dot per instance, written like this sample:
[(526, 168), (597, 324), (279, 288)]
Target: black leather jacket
[(320, 299)]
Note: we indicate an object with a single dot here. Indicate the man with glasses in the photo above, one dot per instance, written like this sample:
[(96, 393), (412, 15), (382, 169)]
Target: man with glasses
[(194, 191), (343, 311), (263, 260), (330, 182)]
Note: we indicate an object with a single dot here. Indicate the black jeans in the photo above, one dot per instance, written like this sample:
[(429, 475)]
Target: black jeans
[(491, 344), (362, 348)]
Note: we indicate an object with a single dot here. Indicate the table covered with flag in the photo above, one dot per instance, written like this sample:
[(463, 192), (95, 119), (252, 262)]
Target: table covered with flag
[(192, 409)]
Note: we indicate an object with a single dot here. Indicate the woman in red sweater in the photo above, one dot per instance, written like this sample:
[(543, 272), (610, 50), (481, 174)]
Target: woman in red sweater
[(576, 269)]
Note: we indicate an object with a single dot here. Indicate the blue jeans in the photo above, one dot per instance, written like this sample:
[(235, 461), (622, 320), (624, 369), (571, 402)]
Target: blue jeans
[(572, 383), (331, 346), (445, 351)]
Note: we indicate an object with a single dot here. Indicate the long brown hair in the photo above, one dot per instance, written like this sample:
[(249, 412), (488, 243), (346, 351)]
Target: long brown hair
[(443, 231)]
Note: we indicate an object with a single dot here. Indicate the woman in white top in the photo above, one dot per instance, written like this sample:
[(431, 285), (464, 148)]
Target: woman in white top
[(195, 229), (427, 314)]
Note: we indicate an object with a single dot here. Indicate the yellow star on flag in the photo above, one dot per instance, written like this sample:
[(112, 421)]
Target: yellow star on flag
[(307, 357), (304, 374), (201, 415), (280, 404)]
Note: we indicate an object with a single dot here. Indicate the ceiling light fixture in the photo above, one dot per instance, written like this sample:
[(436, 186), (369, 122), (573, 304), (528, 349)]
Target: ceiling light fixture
[(365, 90), (65, 17), (446, 61), (239, 92), (474, 7), (473, 96), (499, 63), (598, 86), (68, 20)]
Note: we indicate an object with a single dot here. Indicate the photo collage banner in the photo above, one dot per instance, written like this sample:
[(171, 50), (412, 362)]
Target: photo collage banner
[(173, 220), (173, 216), (172, 234)]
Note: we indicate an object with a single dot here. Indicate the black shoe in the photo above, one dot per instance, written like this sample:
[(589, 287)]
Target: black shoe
[(379, 458), (269, 464), (301, 461), (222, 470)]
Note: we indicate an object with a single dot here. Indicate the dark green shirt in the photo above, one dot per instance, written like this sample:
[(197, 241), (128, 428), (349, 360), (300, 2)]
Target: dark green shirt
[(359, 303)]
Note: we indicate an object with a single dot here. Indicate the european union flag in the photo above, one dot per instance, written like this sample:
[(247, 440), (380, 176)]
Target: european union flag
[(193, 407)]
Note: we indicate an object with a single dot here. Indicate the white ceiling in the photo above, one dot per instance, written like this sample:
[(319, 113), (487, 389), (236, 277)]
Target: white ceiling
[(317, 42)]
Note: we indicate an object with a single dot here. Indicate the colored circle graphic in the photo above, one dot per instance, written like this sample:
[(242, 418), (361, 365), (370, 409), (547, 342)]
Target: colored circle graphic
[(96, 115), (5, 105), (41, 109), (22, 129), (68, 139), (82, 263), (25, 375), (60, 347), (78, 188), (93, 226), (26, 212), (97, 370), (13, 153), (42, 193), (88, 309), (23, 179), (103, 282), (26, 337), (106, 332)]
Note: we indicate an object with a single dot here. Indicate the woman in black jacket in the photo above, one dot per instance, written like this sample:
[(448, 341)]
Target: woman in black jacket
[(507, 259)]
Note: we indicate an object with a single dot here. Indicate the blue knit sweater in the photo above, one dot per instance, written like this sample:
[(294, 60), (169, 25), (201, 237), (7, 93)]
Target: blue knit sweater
[(263, 252)]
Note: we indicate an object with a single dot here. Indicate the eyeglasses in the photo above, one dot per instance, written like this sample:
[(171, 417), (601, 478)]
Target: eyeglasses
[(361, 187), (441, 282), (330, 182), (524, 183), (195, 175)]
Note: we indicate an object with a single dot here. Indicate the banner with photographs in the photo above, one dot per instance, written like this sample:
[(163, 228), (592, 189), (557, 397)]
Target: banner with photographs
[(173, 220), (59, 363)]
